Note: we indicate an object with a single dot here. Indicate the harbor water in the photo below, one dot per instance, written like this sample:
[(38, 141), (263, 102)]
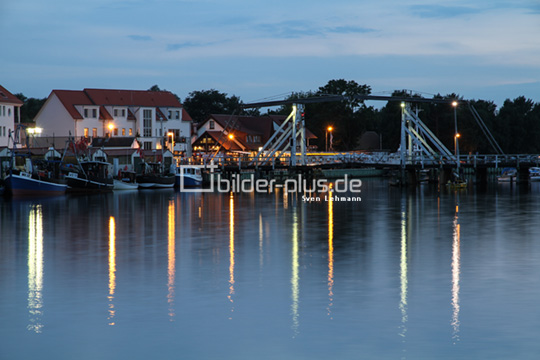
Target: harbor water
[(422, 273)]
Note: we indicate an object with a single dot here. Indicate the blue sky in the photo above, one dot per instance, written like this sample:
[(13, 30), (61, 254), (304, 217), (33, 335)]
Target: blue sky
[(480, 49)]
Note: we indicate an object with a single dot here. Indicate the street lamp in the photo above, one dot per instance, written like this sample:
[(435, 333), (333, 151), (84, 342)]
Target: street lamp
[(111, 127), (456, 134), (328, 130)]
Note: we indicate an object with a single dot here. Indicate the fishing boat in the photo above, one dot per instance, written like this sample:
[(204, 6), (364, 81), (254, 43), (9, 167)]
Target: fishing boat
[(127, 180), (534, 174), (188, 176), (153, 177), (28, 177), (508, 175), (90, 176)]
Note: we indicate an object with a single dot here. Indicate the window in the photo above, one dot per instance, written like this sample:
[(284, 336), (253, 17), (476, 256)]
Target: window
[(94, 113), (9, 112), (85, 132), (147, 123), (85, 113), (115, 112), (169, 115), (123, 112), (212, 124), (94, 132), (178, 115), (147, 145), (116, 132), (123, 131), (130, 132)]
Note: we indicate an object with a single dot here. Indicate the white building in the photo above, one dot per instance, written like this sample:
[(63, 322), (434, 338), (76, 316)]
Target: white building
[(9, 105), (156, 118)]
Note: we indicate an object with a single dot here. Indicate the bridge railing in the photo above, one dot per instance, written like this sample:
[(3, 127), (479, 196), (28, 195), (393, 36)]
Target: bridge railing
[(245, 161)]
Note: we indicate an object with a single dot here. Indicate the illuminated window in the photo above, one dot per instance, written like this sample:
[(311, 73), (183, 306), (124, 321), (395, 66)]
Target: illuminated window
[(123, 131), (130, 132), (85, 132), (94, 132)]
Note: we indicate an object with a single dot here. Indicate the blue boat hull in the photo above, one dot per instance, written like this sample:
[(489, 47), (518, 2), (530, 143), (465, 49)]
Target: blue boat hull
[(21, 185), (188, 181)]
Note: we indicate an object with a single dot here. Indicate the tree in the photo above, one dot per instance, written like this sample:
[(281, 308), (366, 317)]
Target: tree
[(30, 108), (200, 104), (156, 88)]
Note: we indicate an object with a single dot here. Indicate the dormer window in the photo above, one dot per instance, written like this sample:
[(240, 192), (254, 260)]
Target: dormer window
[(212, 124)]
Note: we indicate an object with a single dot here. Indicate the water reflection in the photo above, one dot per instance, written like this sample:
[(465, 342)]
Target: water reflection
[(330, 251), (231, 250), (112, 268), (35, 268), (171, 256), (456, 264), (403, 268), (295, 277)]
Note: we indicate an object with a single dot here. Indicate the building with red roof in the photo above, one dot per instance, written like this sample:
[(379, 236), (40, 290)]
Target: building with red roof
[(234, 133), (10, 105), (156, 118)]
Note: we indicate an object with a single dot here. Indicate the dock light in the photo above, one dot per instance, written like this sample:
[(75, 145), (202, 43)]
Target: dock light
[(458, 135), (231, 136), (403, 105), (111, 127), (35, 130), (454, 103)]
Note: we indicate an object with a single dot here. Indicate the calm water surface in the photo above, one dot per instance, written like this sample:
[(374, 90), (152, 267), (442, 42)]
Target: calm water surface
[(166, 275)]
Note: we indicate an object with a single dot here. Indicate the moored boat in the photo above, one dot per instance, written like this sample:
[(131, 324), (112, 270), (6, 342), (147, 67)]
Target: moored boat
[(153, 177), (126, 181), (28, 177), (188, 176), (25, 184), (508, 175), (534, 174), (90, 176)]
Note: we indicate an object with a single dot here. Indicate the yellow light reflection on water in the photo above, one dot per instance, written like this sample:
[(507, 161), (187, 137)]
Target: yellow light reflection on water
[(171, 256), (35, 268), (295, 278), (112, 268), (456, 264), (330, 251), (231, 249)]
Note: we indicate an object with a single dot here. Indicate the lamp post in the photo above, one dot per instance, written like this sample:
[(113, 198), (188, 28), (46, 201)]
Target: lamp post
[(456, 134), (328, 130)]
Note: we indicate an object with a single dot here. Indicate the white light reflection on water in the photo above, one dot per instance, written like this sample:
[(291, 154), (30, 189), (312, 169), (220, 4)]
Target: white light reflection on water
[(35, 268), (403, 271), (456, 264), (295, 276), (112, 268)]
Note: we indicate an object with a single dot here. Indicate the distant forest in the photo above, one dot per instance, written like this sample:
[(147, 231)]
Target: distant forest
[(515, 125)]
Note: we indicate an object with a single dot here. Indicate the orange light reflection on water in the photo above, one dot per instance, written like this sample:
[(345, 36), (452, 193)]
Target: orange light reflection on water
[(112, 268)]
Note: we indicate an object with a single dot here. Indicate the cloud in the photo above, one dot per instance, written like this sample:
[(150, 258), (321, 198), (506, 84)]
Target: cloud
[(184, 45), (140, 37), (292, 29), (441, 11)]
